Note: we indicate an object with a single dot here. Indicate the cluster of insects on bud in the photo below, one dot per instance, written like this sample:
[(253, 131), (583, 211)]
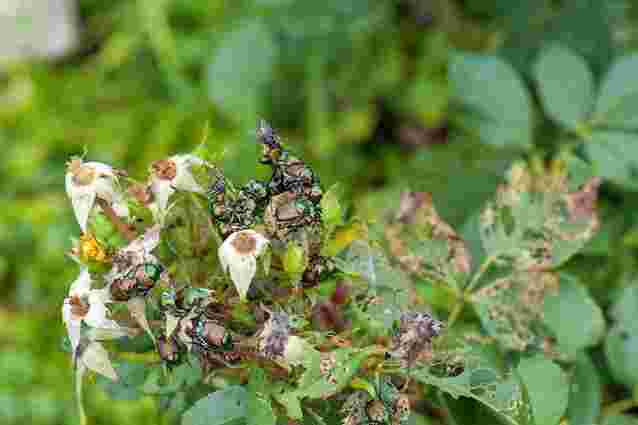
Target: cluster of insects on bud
[(388, 407), (413, 337)]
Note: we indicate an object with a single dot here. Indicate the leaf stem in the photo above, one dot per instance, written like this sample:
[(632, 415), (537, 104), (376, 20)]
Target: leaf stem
[(456, 311), (477, 277), (121, 227)]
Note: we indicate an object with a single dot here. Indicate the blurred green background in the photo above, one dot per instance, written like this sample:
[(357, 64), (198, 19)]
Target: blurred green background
[(359, 87)]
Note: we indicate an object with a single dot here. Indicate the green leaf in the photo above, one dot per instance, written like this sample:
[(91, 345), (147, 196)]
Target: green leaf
[(586, 324), (617, 105), (495, 96), (585, 396), (621, 347), (502, 396), (290, 400), (129, 385), (614, 154), (236, 80), (625, 308), (314, 384), (224, 407), (620, 420), (295, 260), (511, 308), (536, 221), (425, 244), (547, 388), (331, 211), (258, 406), (566, 85)]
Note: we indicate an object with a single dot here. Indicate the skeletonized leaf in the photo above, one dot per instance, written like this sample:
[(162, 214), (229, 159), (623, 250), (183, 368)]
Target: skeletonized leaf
[(503, 396), (328, 373), (425, 244), (511, 308), (535, 222)]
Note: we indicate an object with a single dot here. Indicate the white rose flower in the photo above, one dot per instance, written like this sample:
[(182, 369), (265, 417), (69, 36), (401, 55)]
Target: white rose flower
[(87, 180), (170, 175), (86, 305), (238, 255)]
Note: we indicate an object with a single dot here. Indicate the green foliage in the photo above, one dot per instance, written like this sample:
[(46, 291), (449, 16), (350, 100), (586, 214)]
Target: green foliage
[(497, 103), (568, 96), (547, 389), (223, 407), (585, 394), (437, 96), (573, 301)]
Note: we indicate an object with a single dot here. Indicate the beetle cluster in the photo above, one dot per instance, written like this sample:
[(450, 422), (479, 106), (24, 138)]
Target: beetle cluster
[(387, 407), (288, 203)]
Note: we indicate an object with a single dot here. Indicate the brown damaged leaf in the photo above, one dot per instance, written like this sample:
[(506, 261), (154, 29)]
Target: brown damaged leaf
[(511, 309), (422, 242), (535, 222)]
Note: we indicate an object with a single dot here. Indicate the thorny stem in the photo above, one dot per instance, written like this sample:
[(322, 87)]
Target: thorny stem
[(618, 407), (122, 227)]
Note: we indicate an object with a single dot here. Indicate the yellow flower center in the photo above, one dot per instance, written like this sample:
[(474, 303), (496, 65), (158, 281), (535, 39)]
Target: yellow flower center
[(91, 250)]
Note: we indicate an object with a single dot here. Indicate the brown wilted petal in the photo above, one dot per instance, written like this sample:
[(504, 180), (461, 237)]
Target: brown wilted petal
[(244, 243), (165, 169), (142, 193)]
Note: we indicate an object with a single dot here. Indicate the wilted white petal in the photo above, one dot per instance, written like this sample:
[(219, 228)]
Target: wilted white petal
[(145, 243), (151, 239), (86, 181), (238, 255), (104, 187), (242, 272), (82, 201), (81, 285), (106, 334), (73, 326), (120, 206), (96, 358), (184, 179), (137, 308), (162, 190), (101, 169), (187, 160), (97, 317)]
